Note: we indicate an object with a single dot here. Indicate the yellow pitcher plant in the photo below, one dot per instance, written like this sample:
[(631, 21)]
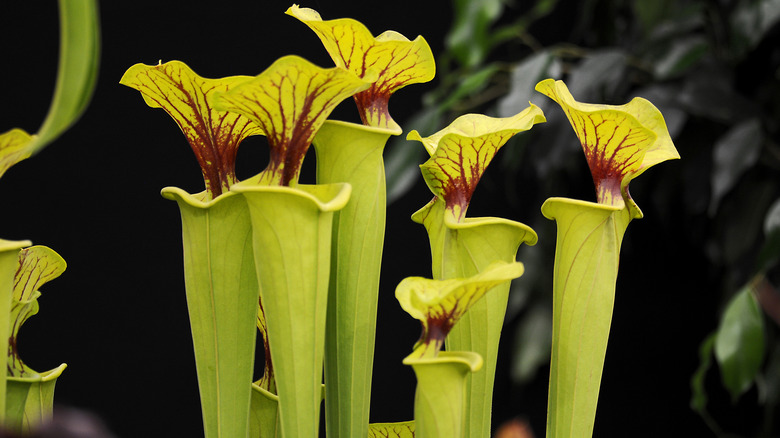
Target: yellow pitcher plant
[(620, 143)]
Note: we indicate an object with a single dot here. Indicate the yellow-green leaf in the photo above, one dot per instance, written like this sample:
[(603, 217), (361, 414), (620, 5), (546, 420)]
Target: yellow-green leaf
[(397, 60), (404, 429), (77, 70), (14, 147), (439, 304), (739, 342), (461, 152), (620, 141), (213, 135), (290, 100)]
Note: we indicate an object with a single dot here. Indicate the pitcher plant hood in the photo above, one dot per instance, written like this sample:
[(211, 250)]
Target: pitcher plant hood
[(439, 304), (213, 135), (37, 266), (461, 152), (620, 141), (397, 61), (289, 101)]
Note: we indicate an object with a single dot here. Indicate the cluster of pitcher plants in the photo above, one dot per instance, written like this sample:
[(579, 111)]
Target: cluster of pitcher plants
[(300, 263)]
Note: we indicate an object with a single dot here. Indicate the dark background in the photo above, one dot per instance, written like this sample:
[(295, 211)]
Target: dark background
[(118, 315)]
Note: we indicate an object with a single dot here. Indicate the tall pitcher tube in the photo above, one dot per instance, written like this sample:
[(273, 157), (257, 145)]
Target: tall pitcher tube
[(222, 295), (351, 153), (291, 229)]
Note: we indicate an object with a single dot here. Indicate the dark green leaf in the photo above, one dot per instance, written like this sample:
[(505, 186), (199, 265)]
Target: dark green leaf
[(770, 251), (540, 9), (751, 21), (468, 38), (709, 92), (525, 75), (680, 57), (470, 85), (651, 12), (403, 158), (598, 75), (741, 215), (698, 393), (739, 343), (771, 381), (734, 153), (533, 340), (772, 220)]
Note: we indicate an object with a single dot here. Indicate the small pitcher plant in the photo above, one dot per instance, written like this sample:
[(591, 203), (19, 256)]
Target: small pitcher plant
[(460, 246), (26, 395), (440, 400), (300, 263)]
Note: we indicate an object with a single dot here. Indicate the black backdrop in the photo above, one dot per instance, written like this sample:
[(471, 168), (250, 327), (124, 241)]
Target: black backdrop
[(118, 316)]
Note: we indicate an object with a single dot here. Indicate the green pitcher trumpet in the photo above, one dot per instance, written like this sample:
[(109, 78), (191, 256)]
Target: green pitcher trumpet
[(9, 264), (440, 399), (620, 142), (222, 296), (30, 396), (585, 272), (292, 223), (292, 229), (351, 153), (264, 414), (347, 152), (265, 420), (30, 400), (462, 247), (220, 283)]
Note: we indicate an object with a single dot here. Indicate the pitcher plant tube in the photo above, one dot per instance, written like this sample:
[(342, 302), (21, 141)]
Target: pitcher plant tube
[(221, 288), (352, 153), (9, 265), (292, 224), (620, 142), (462, 247), (440, 398)]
